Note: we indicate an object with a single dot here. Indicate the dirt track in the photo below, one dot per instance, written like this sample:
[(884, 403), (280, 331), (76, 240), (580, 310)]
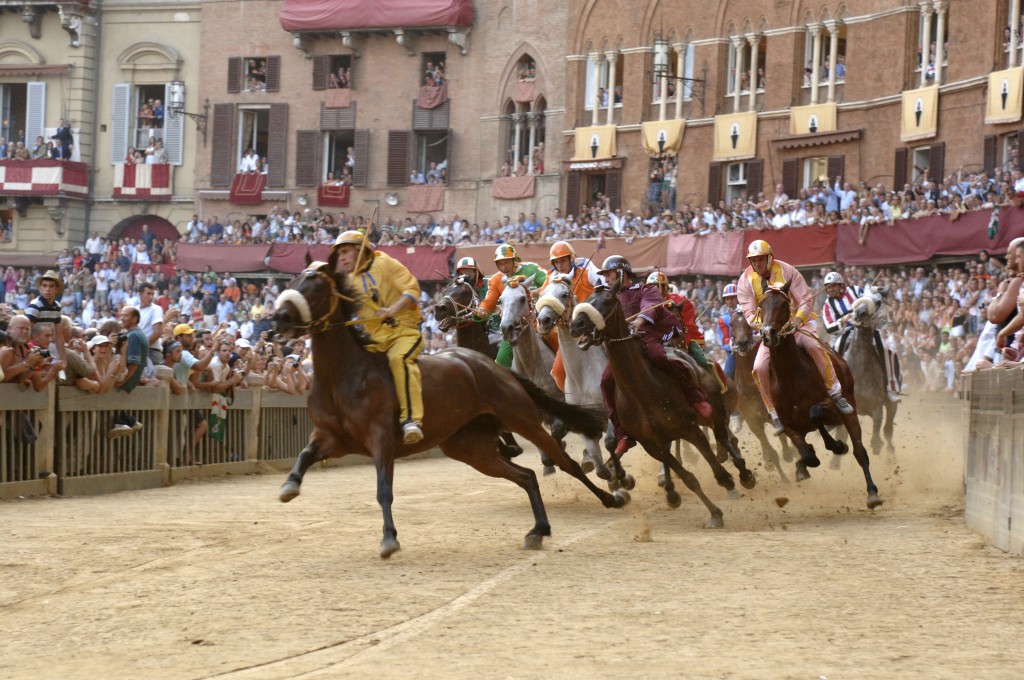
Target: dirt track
[(218, 579)]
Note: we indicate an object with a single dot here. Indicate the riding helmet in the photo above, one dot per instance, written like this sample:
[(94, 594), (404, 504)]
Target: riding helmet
[(658, 278), (834, 277), (351, 238), (729, 291), (466, 263), (561, 249), (506, 252), (617, 262)]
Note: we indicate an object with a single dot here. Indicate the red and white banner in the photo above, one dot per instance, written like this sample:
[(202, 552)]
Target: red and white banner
[(142, 182), (44, 178)]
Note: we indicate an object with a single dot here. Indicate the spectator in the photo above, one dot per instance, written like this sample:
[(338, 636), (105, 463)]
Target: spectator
[(63, 141), (133, 346)]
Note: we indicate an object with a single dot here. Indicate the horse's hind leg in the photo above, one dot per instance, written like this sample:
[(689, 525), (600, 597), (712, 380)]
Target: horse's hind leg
[(890, 416), (725, 439), (861, 454), (664, 454), (831, 443), (696, 437), (292, 486), (768, 452), (508, 446), (385, 464), (474, 446)]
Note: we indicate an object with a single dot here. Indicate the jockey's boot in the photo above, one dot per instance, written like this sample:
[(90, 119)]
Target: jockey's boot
[(719, 374), (625, 444), (703, 409), (894, 396), (412, 433), (840, 401)]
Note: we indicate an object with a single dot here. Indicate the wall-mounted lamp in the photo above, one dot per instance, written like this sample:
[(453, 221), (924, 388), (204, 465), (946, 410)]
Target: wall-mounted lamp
[(176, 107)]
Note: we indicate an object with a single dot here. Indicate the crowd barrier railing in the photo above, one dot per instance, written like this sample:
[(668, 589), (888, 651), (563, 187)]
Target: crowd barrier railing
[(26, 442)]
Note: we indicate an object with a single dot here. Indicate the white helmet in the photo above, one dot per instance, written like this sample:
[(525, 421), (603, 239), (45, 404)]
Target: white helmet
[(834, 277)]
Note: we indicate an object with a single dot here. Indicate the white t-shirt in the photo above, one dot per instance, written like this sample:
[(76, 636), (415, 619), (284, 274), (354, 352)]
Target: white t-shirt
[(149, 317)]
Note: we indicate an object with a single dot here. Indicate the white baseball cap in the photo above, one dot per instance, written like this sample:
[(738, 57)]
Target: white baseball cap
[(98, 340)]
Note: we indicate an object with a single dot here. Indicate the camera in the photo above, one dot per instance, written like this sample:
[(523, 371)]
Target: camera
[(44, 353)]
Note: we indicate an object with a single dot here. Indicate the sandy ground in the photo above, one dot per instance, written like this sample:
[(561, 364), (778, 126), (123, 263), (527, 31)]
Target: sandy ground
[(219, 579)]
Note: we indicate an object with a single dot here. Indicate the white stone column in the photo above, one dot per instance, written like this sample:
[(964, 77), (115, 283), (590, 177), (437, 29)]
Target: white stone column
[(1014, 23), (926, 39), (737, 45), (815, 30), (531, 119), (596, 57), (753, 41), (613, 60), (833, 58), (517, 121), (941, 6), (663, 93), (680, 49)]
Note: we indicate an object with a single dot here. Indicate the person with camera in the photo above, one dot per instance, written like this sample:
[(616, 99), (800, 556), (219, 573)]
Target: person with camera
[(19, 361), (41, 339), (46, 306)]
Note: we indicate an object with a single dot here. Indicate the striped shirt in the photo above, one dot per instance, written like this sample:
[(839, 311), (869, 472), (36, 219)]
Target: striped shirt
[(41, 311), (836, 308)]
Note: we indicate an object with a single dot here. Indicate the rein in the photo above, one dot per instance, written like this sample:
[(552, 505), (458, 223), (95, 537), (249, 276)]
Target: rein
[(323, 324), (462, 314)]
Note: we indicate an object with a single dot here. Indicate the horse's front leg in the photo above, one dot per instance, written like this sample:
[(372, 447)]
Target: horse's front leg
[(384, 460), (292, 486), (807, 456)]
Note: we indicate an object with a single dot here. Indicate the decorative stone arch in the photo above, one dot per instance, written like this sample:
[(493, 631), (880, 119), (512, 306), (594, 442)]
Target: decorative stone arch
[(580, 42), (13, 52), (508, 74), (150, 59)]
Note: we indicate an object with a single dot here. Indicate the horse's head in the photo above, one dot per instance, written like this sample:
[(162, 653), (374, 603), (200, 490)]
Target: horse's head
[(776, 311), (866, 306), (458, 301), (557, 303), (590, 318), (516, 309), (742, 334), (314, 297)]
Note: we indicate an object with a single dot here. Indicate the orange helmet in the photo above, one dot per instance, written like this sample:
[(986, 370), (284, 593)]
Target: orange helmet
[(561, 249), (506, 252)]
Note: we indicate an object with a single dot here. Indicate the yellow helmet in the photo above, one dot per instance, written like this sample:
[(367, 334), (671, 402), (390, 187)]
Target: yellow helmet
[(506, 252), (351, 238), (561, 249), (758, 248)]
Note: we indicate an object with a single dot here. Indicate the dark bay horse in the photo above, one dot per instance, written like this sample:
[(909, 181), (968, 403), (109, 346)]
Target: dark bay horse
[(863, 353), (800, 395), (355, 410), (750, 407), (651, 406)]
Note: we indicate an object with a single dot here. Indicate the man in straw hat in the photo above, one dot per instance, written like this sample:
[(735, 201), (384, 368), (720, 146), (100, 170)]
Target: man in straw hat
[(45, 308)]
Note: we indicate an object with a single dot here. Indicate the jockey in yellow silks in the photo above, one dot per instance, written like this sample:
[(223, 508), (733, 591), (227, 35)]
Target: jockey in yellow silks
[(389, 291), (766, 272)]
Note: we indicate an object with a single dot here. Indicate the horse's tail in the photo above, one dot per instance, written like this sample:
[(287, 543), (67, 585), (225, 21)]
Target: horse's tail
[(590, 421)]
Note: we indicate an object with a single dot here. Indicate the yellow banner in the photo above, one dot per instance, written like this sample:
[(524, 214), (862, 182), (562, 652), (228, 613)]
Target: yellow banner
[(809, 120), (663, 136), (595, 143), (736, 136), (1004, 96), (920, 113)]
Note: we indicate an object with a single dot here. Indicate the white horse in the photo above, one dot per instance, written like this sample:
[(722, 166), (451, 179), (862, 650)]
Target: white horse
[(583, 370)]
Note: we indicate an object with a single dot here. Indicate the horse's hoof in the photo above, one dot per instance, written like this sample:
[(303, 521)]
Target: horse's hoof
[(587, 465), (509, 451), (388, 547), (874, 501), (673, 499), (624, 496), (722, 456), (289, 490), (716, 522), (812, 461), (533, 542), (614, 484), (802, 473), (840, 448), (604, 473), (628, 482), (733, 495), (661, 479), (549, 470), (748, 480)]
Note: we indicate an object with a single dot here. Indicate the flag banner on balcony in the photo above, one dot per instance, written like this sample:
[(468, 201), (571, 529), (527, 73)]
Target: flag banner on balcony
[(736, 136), (44, 178), (663, 136), (332, 195), (338, 98), (595, 143), (1004, 96), (810, 120), (432, 96), (142, 181), (247, 189), (513, 188), (920, 113), (421, 199), (524, 92)]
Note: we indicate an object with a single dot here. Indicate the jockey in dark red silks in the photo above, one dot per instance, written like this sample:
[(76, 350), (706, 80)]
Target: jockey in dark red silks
[(654, 325)]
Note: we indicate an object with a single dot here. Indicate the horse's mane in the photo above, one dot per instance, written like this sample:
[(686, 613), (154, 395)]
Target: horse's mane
[(349, 308)]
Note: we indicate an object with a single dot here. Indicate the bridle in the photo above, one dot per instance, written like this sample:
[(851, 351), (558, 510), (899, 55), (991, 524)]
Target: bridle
[(767, 292), (526, 318), (322, 324), (564, 319), (460, 314)]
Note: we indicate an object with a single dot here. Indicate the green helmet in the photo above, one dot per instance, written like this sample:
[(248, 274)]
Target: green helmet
[(506, 252)]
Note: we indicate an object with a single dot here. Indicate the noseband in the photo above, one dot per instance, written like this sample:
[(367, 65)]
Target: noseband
[(461, 314), (302, 305)]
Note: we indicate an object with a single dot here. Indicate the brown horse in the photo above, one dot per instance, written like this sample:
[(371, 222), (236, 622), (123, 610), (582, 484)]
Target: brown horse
[(800, 395), (355, 410), (750, 408), (652, 408)]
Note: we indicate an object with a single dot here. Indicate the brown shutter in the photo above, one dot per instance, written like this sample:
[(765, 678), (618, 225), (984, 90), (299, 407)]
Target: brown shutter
[(307, 157), (755, 175), (714, 183), (448, 155), (399, 152), (273, 74), (791, 176), (234, 74), (899, 173), (835, 167), (361, 146), (222, 167), (572, 194), (277, 145), (990, 146), (1019, 160), (320, 72), (613, 188), (937, 162)]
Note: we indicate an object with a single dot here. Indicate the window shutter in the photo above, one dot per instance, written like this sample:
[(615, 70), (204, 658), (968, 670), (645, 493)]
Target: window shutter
[(35, 113), (277, 145), (320, 72), (307, 157), (222, 169), (937, 162), (613, 188), (791, 176), (755, 174), (899, 173), (234, 74), (120, 124), (362, 151), (714, 183), (273, 75), (835, 167), (430, 119), (448, 155), (989, 164), (572, 194), (174, 127), (338, 118), (399, 149), (1019, 160)]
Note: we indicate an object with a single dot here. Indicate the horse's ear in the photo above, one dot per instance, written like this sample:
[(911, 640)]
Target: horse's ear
[(786, 285), (332, 262), (309, 258)]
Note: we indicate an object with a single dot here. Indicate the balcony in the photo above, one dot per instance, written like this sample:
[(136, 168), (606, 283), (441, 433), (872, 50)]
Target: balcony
[(66, 179), (143, 182)]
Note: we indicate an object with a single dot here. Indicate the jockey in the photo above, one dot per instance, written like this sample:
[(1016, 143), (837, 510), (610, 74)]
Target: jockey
[(724, 328), (693, 340), (654, 324), (584, 278), (506, 259), (765, 271), (389, 291), (837, 313), (468, 269)]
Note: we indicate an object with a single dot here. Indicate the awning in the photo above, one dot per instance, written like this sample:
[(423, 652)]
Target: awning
[(339, 15), (805, 141)]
